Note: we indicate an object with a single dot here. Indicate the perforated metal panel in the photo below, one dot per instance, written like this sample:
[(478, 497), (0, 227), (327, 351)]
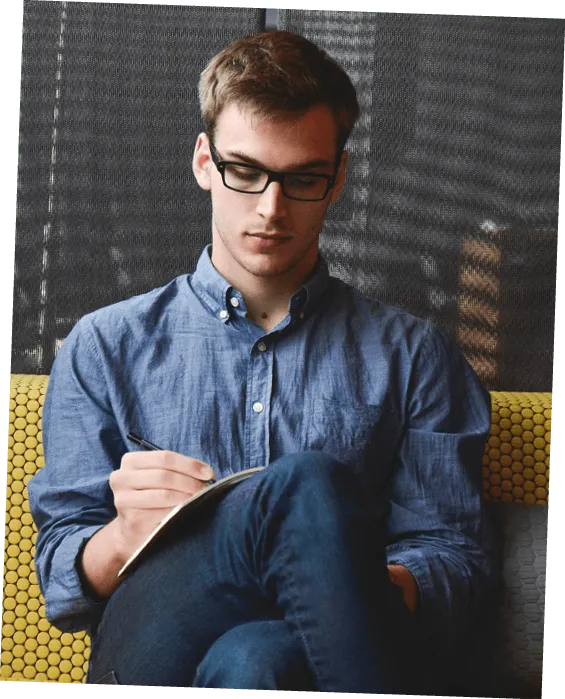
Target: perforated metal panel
[(107, 202), (451, 206)]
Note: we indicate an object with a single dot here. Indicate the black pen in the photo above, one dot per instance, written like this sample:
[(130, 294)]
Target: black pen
[(153, 447)]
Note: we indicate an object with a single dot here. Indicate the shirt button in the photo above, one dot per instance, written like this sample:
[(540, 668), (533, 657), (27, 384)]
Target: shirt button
[(302, 314), (224, 315), (258, 407), (262, 347), (234, 302)]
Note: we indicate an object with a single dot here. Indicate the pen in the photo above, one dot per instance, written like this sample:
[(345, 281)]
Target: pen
[(153, 447)]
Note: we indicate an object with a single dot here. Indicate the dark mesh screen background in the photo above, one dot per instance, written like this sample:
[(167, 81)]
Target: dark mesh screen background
[(451, 208), (107, 203), (451, 205)]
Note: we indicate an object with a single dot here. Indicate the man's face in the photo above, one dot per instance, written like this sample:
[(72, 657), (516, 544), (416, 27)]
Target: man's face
[(268, 235)]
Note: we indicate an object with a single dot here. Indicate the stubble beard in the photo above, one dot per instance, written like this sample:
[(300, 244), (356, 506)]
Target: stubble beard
[(268, 270)]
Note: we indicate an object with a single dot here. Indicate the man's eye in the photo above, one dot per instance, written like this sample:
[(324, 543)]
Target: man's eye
[(245, 174), (304, 182)]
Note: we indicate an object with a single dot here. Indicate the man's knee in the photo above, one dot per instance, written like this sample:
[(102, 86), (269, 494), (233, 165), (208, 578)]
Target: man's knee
[(309, 469), (325, 483), (257, 655)]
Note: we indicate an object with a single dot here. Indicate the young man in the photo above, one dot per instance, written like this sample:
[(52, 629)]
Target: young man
[(358, 555)]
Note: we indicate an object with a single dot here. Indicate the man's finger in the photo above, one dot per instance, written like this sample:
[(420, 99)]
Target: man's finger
[(167, 460), (154, 478), (150, 499)]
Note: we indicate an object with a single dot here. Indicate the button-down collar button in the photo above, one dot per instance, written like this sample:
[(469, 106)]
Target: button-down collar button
[(258, 407), (234, 302), (224, 314), (262, 347)]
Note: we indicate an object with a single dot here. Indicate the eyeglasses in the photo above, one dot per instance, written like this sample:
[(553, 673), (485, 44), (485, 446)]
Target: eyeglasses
[(252, 179)]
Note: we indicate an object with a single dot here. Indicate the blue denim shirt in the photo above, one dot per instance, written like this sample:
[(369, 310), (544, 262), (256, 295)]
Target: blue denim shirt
[(181, 365)]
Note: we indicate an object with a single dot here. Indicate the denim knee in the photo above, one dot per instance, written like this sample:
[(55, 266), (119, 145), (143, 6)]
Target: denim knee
[(308, 468), (337, 484), (256, 655)]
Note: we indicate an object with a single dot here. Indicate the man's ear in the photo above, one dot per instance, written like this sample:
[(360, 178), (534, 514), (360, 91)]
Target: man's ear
[(340, 178), (202, 162)]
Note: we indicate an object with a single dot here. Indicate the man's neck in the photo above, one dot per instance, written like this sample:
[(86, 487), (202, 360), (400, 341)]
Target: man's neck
[(266, 297), (268, 309)]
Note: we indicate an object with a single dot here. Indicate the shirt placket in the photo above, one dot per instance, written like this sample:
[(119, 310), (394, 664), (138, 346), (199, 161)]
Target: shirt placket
[(258, 403)]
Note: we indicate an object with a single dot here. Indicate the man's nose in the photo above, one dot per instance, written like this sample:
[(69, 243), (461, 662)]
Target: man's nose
[(272, 202)]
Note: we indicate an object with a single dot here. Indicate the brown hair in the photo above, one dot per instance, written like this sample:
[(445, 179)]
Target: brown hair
[(276, 72)]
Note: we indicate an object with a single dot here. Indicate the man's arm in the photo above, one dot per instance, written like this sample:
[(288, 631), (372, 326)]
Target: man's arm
[(70, 499), (93, 502), (437, 529)]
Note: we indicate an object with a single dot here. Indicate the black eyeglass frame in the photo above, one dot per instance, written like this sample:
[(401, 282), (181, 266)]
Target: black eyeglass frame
[(272, 175)]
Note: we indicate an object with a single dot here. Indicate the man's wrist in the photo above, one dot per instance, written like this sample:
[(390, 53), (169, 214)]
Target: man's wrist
[(87, 589), (100, 560)]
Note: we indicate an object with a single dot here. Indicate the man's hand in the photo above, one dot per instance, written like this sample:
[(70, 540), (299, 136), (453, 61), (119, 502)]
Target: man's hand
[(401, 576), (146, 487)]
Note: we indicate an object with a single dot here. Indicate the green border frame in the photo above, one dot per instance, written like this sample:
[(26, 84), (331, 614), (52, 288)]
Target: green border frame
[(555, 606)]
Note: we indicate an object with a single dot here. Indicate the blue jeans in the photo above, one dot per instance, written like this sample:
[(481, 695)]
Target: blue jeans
[(282, 584)]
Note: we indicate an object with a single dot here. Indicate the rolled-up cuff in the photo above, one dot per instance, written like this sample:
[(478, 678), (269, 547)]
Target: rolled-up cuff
[(68, 605), (446, 601)]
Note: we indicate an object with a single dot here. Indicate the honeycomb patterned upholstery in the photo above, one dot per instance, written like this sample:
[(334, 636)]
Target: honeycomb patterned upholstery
[(516, 458), (515, 469), (32, 649)]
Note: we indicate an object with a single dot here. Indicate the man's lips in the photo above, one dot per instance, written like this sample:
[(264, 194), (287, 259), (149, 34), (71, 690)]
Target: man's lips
[(261, 241), (269, 236)]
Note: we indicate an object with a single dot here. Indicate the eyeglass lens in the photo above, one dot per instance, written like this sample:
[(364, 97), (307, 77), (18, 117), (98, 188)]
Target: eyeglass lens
[(249, 179)]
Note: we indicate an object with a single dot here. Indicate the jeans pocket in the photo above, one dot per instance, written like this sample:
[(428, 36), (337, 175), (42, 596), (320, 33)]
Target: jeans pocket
[(108, 678)]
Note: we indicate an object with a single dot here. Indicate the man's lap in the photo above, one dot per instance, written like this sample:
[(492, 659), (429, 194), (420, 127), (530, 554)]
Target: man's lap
[(198, 590)]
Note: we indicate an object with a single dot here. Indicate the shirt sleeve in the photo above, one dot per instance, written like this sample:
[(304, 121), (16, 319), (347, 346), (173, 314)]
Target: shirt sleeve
[(70, 498), (437, 525)]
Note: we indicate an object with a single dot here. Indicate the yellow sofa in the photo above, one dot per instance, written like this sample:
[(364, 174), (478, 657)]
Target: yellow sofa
[(515, 469)]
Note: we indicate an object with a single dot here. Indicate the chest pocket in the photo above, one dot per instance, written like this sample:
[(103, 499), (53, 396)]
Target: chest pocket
[(343, 430)]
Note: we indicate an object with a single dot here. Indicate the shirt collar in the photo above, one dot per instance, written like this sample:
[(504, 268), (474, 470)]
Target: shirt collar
[(218, 293)]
